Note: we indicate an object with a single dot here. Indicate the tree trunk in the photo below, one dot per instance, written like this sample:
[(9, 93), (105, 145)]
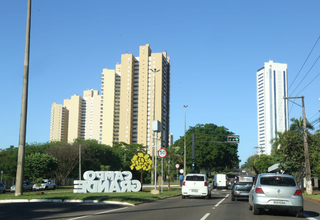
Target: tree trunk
[(141, 180)]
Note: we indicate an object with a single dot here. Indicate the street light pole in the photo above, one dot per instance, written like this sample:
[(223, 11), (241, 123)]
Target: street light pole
[(24, 106), (79, 161), (154, 113), (185, 148)]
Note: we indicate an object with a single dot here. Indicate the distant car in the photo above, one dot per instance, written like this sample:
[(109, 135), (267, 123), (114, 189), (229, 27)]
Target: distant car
[(45, 184), (276, 192), (2, 188), (196, 185), (27, 185), (241, 186)]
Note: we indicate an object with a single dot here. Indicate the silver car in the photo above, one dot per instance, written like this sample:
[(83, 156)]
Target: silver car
[(2, 188), (275, 192), (27, 185)]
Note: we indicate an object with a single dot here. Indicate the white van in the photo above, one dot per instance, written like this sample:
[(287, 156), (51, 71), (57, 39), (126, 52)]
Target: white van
[(220, 181)]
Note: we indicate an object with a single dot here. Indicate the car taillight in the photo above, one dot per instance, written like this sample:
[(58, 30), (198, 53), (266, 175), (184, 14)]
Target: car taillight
[(184, 183), (235, 180), (205, 184), (298, 193), (259, 191)]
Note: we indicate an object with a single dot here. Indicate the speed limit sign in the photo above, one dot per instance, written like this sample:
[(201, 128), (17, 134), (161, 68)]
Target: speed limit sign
[(162, 153)]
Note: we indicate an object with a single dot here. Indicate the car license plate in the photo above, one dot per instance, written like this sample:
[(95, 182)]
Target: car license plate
[(244, 194), (279, 202), (194, 190)]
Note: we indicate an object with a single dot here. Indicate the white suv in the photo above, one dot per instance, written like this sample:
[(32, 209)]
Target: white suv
[(196, 185), (45, 184)]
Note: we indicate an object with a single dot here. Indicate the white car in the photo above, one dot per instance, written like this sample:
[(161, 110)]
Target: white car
[(45, 184), (196, 185)]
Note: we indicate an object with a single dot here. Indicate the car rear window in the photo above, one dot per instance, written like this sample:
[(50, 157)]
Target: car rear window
[(277, 181), (195, 178), (245, 179)]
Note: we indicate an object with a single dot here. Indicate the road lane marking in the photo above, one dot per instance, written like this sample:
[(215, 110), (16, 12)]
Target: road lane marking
[(113, 210), (310, 217), (205, 216), (220, 201)]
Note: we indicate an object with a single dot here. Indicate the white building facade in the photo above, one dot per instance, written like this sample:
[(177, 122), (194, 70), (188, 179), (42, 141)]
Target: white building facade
[(272, 108)]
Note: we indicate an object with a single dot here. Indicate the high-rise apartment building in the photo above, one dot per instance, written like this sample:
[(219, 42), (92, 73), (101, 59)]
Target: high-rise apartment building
[(133, 95), (58, 125), (78, 117), (272, 108)]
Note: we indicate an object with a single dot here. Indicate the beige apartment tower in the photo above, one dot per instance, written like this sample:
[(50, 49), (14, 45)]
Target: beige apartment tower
[(77, 118), (58, 128), (134, 94)]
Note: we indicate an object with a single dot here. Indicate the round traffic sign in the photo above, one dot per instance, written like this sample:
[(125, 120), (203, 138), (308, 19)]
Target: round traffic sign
[(162, 153), (177, 165)]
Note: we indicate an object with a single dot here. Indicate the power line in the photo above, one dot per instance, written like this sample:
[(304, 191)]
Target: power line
[(309, 83), (315, 115), (315, 122), (305, 62), (306, 74)]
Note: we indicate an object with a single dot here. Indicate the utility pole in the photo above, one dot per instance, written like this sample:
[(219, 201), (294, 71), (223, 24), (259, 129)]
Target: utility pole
[(306, 146), (185, 147), (24, 105)]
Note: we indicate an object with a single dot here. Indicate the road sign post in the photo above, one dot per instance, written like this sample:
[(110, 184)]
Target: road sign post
[(162, 153), (177, 166)]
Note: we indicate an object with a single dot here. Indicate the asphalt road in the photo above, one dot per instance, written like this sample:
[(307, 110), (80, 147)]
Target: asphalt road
[(219, 207)]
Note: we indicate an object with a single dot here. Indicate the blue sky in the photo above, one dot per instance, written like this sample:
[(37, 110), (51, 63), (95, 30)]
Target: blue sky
[(215, 49)]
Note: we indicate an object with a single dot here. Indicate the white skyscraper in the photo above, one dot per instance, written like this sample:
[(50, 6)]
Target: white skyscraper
[(272, 109)]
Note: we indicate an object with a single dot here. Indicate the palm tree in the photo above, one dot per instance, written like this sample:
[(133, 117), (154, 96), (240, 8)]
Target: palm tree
[(297, 125), (276, 142)]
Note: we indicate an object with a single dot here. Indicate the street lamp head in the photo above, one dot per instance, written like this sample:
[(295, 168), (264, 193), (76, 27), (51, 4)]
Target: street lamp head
[(185, 106)]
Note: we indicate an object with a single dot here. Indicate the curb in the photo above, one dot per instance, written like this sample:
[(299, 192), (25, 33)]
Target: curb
[(60, 200), (314, 199)]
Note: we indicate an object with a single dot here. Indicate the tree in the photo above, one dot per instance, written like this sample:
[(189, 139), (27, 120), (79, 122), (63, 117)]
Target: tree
[(209, 156), (288, 150), (314, 147), (124, 151), (8, 161), (68, 157), (250, 163), (297, 125), (38, 165), (262, 163), (141, 162)]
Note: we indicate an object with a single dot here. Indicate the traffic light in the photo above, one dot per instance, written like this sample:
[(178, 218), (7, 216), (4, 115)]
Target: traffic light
[(233, 139), (193, 162)]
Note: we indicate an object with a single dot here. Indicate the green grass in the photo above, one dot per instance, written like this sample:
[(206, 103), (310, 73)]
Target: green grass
[(313, 196), (67, 194)]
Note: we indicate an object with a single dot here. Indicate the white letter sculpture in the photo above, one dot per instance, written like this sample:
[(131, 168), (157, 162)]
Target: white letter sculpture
[(106, 181)]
